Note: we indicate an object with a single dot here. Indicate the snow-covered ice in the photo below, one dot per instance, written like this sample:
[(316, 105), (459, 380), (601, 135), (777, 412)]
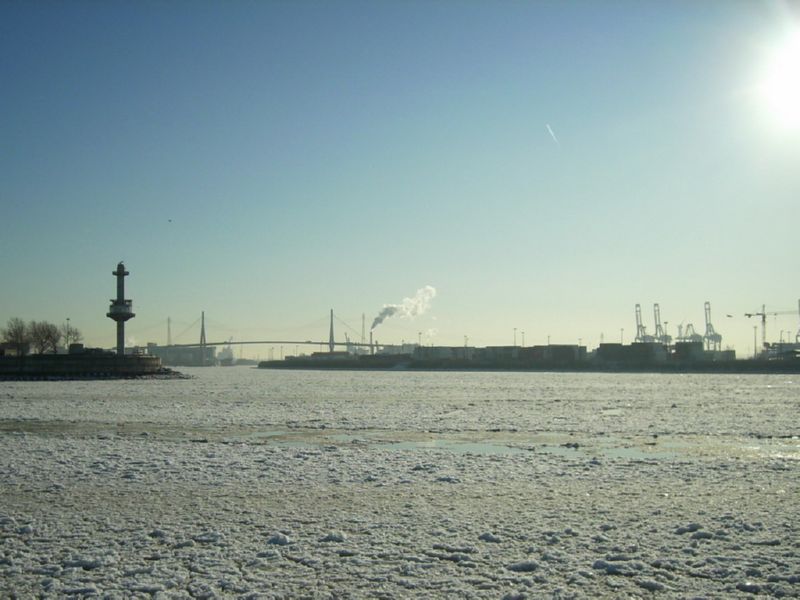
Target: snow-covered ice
[(264, 484)]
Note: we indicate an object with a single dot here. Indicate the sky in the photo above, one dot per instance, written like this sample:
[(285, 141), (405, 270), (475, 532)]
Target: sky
[(544, 166)]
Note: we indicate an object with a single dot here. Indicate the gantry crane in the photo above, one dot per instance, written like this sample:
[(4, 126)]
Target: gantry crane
[(660, 334), (641, 332), (712, 338), (690, 335), (687, 333)]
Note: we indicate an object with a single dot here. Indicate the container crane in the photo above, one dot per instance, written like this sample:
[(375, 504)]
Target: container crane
[(690, 335), (712, 338), (687, 333), (641, 333), (660, 334)]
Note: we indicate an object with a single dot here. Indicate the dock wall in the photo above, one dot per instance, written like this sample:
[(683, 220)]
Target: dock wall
[(66, 365)]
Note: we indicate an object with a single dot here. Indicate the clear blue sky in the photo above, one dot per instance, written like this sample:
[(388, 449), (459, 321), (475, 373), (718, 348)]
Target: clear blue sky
[(268, 161)]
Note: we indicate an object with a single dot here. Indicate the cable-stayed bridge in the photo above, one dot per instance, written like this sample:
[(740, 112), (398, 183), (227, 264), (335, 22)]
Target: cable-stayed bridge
[(331, 343), (274, 343)]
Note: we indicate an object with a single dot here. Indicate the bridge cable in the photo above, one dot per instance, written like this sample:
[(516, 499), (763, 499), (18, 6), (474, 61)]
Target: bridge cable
[(357, 332), (175, 337)]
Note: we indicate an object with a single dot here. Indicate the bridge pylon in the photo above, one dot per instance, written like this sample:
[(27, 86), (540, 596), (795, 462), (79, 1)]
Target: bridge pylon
[(330, 339)]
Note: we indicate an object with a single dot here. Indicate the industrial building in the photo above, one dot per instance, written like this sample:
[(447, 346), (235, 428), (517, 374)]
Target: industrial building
[(180, 356), (635, 355), (444, 353), (555, 355), (8, 349), (561, 354)]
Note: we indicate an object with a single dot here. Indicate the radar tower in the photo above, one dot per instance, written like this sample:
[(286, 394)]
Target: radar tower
[(121, 309)]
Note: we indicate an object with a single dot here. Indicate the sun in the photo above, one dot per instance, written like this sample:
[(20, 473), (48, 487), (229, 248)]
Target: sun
[(780, 86)]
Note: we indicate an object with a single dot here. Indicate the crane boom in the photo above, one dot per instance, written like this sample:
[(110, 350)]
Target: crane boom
[(764, 314)]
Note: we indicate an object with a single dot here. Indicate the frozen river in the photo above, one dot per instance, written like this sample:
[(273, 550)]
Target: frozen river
[(253, 483)]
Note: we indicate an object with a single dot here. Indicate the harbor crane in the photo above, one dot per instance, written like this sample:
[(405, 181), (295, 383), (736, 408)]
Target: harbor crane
[(712, 338), (641, 332), (688, 334), (660, 333), (763, 314)]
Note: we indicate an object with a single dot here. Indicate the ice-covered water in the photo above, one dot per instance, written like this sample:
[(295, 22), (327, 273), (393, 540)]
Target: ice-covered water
[(242, 482)]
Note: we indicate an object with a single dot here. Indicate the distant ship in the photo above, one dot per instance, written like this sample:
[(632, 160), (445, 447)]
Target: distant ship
[(225, 357)]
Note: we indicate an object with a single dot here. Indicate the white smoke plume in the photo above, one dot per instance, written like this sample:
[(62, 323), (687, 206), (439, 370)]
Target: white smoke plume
[(409, 307)]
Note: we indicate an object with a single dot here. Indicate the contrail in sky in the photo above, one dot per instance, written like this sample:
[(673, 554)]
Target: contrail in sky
[(409, 307), (552, 135)]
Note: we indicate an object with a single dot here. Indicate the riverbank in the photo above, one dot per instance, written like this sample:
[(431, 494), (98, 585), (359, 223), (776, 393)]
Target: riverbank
[(405, 363), (79, 366), (160, 375)]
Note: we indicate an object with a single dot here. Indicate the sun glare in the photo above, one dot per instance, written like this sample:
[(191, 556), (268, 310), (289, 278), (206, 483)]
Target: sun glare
[(780, 87)]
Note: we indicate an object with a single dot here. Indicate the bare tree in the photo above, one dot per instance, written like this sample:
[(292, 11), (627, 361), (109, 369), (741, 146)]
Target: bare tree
[(17, 334), (38, 335), (52, 337), (44, 336), (70, 334)]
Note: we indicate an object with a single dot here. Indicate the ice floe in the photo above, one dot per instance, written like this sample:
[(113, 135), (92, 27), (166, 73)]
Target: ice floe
[(257, 484)]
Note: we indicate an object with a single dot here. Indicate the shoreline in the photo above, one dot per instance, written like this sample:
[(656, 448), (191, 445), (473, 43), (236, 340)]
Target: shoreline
[(161, 375), (79, 366), (732, 368)]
